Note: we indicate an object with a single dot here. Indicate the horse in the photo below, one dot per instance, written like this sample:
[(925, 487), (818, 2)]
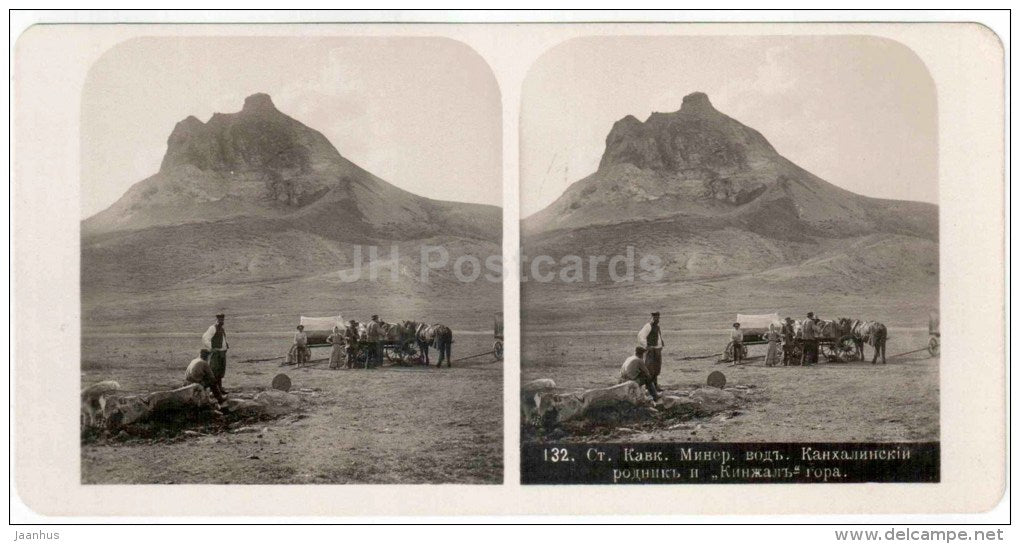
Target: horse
[(872, 332), (437, 335), (400, 334), (425, 336), (444, 342), (829, 331)]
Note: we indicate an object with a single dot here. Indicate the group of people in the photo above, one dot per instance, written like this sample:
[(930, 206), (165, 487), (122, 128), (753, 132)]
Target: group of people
[(344, 344), (209, 369), (645, 365), (782, 340)]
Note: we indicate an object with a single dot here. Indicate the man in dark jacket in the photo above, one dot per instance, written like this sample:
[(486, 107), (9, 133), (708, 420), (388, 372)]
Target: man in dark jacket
[(215, 340), (788, 341), (351, 339), (650, 338)]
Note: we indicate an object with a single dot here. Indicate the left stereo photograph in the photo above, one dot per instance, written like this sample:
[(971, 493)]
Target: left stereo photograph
[(291, 262)]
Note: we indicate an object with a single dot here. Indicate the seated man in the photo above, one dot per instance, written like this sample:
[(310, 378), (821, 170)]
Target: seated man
[(634, 370), (201, 373)]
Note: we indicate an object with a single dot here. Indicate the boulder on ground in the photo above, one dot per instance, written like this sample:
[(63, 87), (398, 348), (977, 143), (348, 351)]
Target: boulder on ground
[(183, 398), (714, 400), (674, 405), (126, 410), (535, 386), (244, 407), (278, 403), (551, 407)]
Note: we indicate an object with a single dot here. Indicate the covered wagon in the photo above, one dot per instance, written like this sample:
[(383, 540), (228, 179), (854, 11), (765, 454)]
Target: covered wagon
[(318, 329), (754, 329)]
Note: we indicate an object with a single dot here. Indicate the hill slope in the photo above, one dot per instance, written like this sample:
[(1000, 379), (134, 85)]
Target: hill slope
[(714, 200), (256, 197)]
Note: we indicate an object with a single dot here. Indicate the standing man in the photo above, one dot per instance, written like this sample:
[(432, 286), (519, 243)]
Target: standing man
[(301, 351), (809, 335), (650, 338), (737, 340), (351, 338), (374, 335), (788, 340), (215, 340)]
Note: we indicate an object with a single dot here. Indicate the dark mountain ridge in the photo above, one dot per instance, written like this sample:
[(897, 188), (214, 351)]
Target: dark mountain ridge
[(260, 164), (699, 163), (715, 201), (257, 197)]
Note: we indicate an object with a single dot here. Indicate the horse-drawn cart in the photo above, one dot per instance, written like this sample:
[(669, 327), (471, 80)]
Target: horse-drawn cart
[(398, 344), (835, 340), (834, 343)]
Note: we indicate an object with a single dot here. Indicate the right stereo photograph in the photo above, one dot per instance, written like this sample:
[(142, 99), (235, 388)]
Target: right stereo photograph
[(729, 262)]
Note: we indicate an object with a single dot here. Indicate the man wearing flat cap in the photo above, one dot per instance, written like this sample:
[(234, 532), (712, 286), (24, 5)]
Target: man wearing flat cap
[(650, 338), (215, 340)]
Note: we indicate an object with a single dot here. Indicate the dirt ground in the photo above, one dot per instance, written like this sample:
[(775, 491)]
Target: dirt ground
[(840, 402), (385, 425)]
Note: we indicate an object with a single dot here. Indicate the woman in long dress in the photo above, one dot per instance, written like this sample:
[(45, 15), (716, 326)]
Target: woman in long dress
[(772, 356), (336, 356)]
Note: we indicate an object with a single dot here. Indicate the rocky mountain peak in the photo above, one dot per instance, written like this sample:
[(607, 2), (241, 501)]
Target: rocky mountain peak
[(696, 102), (259, 102), (257, 138), (695, 137), (258, 164)]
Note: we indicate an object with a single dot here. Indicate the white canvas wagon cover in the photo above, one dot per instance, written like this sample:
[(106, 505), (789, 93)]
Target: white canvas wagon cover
[(761, 321), (323, 323)]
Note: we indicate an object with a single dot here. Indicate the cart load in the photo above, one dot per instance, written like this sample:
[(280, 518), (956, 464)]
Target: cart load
[(753, 327), (756, 325), (318, 329)]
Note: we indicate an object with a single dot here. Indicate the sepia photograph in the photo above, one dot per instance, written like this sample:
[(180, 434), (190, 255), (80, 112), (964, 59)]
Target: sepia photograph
[(473, 267), (730, 240), (290, 265)]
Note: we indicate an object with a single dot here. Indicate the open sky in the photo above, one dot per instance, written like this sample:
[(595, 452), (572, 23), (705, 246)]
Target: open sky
[(421, 113), (857, 111)]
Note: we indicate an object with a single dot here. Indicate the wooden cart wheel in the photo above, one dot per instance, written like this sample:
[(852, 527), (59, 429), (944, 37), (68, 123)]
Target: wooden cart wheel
[(402, 354), (846, 348), (728, 352), (829, 352), (933, 346), (409, 354), (497, 350)]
